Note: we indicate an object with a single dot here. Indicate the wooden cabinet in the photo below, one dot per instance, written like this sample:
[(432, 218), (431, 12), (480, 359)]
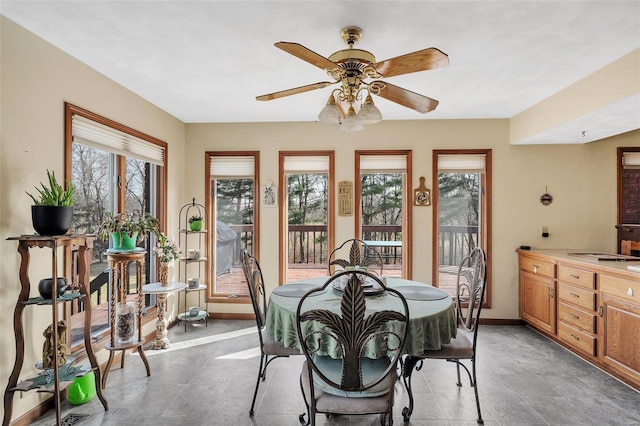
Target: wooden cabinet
[(597, 314), (537, 292), (620, 351), (577, 325)]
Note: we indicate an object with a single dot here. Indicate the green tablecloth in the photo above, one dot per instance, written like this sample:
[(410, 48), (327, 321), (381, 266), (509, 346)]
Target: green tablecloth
[(431, 323)]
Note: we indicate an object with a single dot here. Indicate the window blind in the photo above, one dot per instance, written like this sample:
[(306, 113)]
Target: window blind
[(631, 160), (461, 163), (306, 163), (90, 133), (386, 163), (232, 166)]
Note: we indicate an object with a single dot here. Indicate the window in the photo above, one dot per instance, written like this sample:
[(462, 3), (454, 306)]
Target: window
[(232, 184), (306, 213), (382, 202), (628, 184), (114, 168), (462, 212)]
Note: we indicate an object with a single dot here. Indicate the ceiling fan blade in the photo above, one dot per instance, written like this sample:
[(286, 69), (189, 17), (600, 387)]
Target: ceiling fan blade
[(307, 55), (422, 60), (403, 97), (294, 91)]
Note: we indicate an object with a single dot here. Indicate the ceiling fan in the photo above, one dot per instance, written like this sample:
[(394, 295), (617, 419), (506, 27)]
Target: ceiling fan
[(351, 68)]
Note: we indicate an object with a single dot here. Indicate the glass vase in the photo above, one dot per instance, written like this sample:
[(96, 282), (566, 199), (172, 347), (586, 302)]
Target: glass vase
[(125, 321)]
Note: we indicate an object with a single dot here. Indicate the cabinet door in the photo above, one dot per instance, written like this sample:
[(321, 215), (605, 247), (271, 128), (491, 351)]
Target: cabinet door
[(621, 334), (537, 301)]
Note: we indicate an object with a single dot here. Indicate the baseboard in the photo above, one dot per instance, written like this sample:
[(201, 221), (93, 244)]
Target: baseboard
[(502, 321)]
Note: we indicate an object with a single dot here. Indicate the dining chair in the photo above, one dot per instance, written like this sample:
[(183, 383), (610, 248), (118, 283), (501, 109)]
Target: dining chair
[(470, 288), (351, 359), (627, 246), (269, 348), (360, 255)]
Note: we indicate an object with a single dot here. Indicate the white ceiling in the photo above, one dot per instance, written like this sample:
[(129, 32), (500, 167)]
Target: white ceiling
[(205, 61)]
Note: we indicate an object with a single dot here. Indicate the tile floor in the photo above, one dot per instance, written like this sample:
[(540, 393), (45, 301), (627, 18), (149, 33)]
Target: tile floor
[(208, 374)]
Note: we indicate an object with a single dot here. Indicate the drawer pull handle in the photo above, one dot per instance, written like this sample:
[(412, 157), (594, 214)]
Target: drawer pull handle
[(577, 277), (630, 292), (575, 337), (574, 295), (535, 269), (575, 316)]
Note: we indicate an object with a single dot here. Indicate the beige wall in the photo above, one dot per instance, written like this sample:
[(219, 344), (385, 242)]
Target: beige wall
[(581, 179), (36, 81), (37, 78)]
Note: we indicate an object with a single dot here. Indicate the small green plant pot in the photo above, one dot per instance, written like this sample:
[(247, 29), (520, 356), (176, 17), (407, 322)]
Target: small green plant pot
[(122, 240), (196, 225)]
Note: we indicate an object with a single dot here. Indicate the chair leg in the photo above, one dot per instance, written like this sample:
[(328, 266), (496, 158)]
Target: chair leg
[(407, 370), (260, 376), (475, 388), (304, 422), (472, 382)]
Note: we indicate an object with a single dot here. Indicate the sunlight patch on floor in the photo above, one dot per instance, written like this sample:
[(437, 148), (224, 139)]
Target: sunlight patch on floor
[(249, 353), (201, 341)]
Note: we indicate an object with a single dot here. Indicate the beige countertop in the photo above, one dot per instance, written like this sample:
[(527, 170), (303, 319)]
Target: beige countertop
[(569, 255)]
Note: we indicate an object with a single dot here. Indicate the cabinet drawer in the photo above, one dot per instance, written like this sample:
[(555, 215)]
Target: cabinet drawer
[(626, 289), (538, 267), (576, 317), (579, 277), (577, 296), (577, 339)]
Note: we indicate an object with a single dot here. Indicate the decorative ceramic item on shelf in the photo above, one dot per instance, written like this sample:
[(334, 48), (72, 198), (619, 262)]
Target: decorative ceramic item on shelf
[(195, 223), (194, 311), (193, 282), (45, 287), (52, 211), (194, 254), (125, 229), (125, 321), (49, 353)]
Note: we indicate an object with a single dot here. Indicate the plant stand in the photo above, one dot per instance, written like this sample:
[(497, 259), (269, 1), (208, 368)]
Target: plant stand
[(56, 374), (193, 269), (161, 341), (118, 262)]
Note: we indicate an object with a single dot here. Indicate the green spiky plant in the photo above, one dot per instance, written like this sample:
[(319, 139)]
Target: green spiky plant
[(54, 194)]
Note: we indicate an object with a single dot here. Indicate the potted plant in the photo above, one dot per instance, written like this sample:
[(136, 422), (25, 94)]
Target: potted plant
[(126, 229), (195, 223), (52, 211)]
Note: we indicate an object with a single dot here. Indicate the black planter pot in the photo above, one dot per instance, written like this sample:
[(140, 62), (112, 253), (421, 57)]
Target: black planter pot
[(51, 220), (45, 287)]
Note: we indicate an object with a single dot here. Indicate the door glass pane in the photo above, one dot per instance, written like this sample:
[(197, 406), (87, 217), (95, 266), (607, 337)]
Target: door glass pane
[(137, 198), (459, 212), (307, 212), (382, 201), (233, 202), (91, 175)]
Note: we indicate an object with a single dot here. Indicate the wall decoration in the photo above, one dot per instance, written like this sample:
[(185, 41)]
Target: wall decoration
[(422, 195), (345, 198), (270, 196), (546, 198)]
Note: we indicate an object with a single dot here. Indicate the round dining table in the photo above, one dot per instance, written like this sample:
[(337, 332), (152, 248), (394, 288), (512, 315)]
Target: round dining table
[(431, 318)]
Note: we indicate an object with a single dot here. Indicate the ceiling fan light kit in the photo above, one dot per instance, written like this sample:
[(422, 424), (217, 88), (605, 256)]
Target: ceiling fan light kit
[(351, 105)]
